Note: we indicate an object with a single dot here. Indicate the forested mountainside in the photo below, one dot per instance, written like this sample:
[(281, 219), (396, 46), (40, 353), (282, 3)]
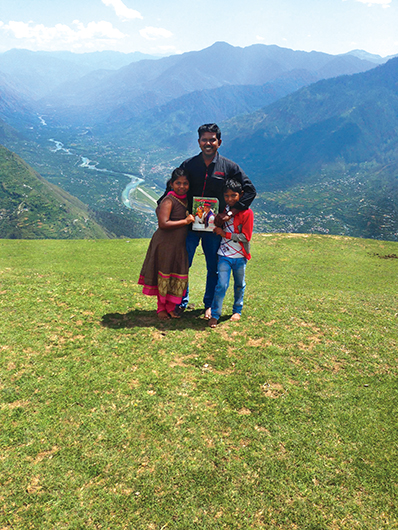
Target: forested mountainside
[(327, 155), (32, 208)]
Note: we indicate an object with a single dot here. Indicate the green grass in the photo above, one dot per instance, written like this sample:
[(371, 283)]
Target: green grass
[(113, 420)]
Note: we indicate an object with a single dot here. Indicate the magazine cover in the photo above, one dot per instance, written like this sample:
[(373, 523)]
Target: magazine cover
[(204, 209)]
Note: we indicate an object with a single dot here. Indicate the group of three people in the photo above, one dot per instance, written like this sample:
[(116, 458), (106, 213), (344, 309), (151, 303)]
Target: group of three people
[(226, 248)]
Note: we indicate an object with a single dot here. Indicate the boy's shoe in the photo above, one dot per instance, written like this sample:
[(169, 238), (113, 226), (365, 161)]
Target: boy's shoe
[(235, 317), (208, 313), (213, 322)]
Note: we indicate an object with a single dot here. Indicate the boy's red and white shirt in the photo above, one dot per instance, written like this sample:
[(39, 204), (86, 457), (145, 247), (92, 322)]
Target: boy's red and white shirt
[(229, 248)]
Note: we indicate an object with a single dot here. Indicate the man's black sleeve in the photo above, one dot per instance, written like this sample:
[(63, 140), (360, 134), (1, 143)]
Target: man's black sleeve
[(249, 191)]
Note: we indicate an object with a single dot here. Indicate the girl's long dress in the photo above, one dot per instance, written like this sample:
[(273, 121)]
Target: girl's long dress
[(164, 272)]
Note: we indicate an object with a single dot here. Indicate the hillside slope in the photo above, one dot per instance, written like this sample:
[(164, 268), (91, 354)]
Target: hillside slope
[(16, 107), (350, 118), (32, 208)]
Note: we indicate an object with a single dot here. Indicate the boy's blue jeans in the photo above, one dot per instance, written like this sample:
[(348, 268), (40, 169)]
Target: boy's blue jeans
[(210, 246), (225, 266)]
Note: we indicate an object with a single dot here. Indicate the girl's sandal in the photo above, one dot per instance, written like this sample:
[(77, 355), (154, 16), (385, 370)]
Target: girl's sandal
[(213, 322), (163, 315), (173, 314)]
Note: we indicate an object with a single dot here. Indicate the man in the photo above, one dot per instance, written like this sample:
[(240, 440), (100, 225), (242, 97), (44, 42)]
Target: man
[(207, 173)]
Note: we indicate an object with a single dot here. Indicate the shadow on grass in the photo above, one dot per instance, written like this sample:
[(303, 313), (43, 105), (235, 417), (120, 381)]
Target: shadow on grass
[(139, 318)]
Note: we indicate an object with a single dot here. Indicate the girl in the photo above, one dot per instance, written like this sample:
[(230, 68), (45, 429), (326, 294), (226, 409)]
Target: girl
[(165, 269)]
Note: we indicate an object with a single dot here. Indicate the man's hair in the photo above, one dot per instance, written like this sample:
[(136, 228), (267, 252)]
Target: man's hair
[(211, 128), (234, 185)]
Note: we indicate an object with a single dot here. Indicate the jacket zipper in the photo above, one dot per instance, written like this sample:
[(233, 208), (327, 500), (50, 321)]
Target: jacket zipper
[(204, 185)]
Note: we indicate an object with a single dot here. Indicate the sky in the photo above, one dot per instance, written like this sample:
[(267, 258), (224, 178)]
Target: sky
[(166, 27)]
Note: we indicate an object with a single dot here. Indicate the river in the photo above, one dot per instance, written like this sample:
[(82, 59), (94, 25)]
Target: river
[(127, 199)]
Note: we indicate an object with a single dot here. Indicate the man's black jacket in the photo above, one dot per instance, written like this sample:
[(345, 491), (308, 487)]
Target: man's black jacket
[(208, 181)]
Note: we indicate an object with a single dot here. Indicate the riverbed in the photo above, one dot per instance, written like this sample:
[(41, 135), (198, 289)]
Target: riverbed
[(127, 199)]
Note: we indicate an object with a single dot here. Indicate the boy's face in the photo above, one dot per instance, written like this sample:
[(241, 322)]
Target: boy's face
[(232, 197)]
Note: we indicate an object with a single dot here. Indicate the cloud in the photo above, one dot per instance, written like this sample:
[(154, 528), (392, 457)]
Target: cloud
[(151, 33), (370, 3), (121, 10), (61, 33)]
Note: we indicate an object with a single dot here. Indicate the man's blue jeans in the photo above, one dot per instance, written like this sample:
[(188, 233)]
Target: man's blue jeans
[(225, 266), (210, 246)]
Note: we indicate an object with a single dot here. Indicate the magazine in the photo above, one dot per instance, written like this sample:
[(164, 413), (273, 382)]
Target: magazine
[(204, 209)]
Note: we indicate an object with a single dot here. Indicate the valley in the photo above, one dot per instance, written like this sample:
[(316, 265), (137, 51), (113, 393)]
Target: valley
[(317, 134)]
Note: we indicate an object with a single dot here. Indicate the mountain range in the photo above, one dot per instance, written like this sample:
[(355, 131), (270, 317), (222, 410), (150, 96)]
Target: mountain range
[(326, 156), (104, 88), (349, 118), (37, 73), (108, 96), (316, 133)]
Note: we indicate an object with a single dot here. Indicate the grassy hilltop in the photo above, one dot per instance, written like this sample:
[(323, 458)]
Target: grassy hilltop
[(286, 420)]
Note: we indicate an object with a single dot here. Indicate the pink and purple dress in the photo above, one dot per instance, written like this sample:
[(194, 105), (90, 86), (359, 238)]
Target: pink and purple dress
[(164, 272)]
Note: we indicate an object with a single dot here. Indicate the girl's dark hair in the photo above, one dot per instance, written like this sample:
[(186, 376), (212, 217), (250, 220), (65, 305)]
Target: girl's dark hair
[(178, 172), (234, 185)]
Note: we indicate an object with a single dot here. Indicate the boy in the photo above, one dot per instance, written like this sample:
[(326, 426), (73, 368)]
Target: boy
[(233, 252)]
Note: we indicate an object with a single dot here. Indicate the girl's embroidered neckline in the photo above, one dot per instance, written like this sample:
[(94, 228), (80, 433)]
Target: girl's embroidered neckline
[(174, 194)]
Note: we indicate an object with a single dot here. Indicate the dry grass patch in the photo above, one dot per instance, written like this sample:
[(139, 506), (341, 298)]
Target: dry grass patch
[(259, 343), (273, 390)]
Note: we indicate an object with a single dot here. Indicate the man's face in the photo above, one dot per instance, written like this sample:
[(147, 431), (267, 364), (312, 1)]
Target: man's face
[(209, 144)]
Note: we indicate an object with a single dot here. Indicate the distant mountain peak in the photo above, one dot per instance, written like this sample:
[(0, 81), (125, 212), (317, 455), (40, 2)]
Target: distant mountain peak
[(221, 45), (366, 56)]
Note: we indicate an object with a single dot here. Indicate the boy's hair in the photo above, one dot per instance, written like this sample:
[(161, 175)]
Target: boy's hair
[(234, 185), (178, 172), (210, 127)]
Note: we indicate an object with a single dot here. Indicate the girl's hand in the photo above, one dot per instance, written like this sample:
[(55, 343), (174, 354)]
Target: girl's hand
[(190, 219)]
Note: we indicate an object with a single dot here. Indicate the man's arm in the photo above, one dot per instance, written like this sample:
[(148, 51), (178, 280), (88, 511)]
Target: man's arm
[(249, 191)]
